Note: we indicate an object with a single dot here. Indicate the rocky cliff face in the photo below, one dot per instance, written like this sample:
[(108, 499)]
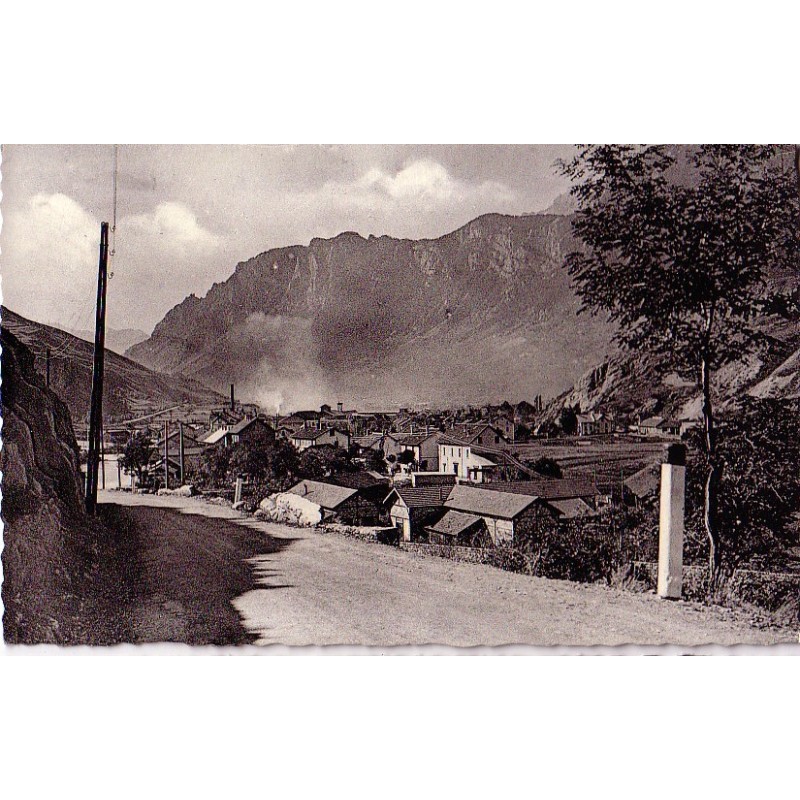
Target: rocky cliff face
[(45, 530), (483, 313), (639, 384)]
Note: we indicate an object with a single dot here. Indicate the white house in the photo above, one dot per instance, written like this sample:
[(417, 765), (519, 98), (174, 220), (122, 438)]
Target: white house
[(458, 458)]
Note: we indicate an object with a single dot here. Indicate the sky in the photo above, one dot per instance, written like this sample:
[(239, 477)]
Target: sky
[(186, 214)]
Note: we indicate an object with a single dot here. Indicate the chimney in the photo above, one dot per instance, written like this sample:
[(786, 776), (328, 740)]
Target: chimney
[(340, 407), (233, 401)]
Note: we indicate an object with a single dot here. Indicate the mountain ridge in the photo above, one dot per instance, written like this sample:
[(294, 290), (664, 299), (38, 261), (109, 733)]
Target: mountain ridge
[(477, 314)]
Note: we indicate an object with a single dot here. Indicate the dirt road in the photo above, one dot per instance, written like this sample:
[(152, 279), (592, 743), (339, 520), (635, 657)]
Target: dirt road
[(206, 574)]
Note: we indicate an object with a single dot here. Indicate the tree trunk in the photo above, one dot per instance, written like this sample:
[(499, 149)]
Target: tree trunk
[(712, 478)]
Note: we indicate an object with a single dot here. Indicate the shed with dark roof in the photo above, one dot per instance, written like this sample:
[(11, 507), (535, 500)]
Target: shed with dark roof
[(459, 528), (412, 508)]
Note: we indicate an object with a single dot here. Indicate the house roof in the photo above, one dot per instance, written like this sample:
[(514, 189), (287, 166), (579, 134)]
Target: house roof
[(368, 441), (501, 457), (652, 422), (470, 431), (485, 502), (421, 496), (325, 495), (214, 437), (572, 508), (452, 441), (548, 488), (246, 423), (306, 414), (359, 480), (454, 522), (311, 434), (413, 439), (645, 482)]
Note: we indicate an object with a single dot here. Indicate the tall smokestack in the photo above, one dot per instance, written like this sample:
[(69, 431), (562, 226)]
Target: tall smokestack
[(233, 402)]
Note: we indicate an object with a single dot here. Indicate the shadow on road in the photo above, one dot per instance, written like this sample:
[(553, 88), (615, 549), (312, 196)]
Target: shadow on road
[(171, 577)]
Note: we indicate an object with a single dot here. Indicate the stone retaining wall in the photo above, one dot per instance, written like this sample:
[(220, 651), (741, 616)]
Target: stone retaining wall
[(471, 555)]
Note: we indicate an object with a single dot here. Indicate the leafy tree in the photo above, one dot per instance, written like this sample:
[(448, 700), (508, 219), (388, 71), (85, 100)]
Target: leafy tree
[(215, 466), (568, 421), (521, 432), (678, 253), (265, 459), (759, 447), (137, 454), (547, 428), (375, 461), (547, 466), (406, 457), (321, 462)]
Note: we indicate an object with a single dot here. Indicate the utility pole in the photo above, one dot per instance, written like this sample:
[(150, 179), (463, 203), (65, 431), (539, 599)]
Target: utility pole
[(102, 455), (96, 408), (166, 454), (180, 450)]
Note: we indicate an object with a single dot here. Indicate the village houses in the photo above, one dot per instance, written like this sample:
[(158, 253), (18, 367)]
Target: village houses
[(595, 424), (306, 438)]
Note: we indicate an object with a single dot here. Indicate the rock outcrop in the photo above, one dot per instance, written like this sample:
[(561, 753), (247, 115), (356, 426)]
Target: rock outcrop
[(46, 541)]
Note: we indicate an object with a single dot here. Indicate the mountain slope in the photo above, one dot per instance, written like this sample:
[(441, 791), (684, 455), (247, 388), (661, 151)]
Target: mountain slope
[(129, 389), (118, 340), (639, 384), (483, 313)]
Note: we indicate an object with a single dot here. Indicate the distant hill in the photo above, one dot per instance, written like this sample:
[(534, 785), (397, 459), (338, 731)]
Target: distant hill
[(130, 388), (636, 383), (484, 313), (117, 340)]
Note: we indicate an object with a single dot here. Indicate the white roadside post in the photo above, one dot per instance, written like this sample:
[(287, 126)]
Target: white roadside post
[(670, 530), (237, 495)]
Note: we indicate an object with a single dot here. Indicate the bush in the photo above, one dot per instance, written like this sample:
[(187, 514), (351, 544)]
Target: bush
[(585, 551), (547, 466)]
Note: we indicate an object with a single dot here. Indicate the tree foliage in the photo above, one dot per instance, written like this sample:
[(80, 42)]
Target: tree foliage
[(678, 249), (678, 253), (265, 460), (568, 421), (375, 461), (137, 454), (547, 466), (760, 485), (406, 457), (321, 462)]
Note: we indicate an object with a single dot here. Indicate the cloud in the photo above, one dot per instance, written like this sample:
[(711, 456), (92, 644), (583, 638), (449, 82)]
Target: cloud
[(50, 254), (51, 249), (421, 180), (174, 225), (424, 178), (420, 198)]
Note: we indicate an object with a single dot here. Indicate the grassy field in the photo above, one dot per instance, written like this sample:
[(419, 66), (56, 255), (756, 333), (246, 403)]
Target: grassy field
[(608, 459)]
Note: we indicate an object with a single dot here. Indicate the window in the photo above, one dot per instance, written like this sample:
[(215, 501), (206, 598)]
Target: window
[(497, 440)]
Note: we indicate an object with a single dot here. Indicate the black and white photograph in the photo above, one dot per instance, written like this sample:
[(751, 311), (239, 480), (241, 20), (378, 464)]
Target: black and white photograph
[(391, 395), (362, 433)]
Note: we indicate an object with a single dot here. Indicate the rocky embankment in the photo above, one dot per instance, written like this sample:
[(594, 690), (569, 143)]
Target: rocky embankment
[(48, 546)]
